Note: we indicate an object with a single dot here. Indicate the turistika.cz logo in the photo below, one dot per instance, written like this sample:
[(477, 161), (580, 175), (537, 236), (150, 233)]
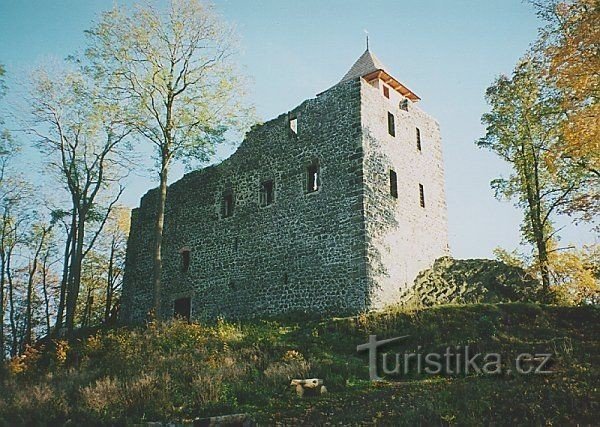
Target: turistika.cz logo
[(457, 360)]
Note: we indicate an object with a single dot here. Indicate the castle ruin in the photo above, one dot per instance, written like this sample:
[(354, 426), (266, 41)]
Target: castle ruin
[(333, 207)]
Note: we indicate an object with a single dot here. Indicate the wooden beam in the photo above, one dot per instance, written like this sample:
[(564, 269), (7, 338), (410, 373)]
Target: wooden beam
[(395, 84)]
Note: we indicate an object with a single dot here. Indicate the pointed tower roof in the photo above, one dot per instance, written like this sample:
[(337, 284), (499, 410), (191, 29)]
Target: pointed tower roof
[(369, 67), (367, 63)]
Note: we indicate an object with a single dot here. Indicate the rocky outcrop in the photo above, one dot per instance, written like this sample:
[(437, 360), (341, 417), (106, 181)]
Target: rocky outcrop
[(467, 281)]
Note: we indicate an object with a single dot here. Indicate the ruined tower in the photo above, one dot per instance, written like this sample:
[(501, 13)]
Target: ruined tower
[(333, 207)]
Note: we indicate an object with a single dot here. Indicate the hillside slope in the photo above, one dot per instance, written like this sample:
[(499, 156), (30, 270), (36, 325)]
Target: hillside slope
[(177, 371)]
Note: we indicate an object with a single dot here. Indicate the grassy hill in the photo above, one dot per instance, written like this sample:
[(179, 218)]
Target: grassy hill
[(176, 371)]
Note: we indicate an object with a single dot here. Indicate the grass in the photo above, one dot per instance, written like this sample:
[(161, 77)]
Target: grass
[(175, 371)]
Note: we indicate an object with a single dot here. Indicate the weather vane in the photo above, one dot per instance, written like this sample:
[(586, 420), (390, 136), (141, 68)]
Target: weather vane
[(367, 35)]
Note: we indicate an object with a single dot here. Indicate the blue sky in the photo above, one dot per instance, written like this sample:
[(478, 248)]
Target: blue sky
[(448, 52)]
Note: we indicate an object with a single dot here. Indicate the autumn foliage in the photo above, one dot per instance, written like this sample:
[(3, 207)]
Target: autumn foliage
[(570, 44)]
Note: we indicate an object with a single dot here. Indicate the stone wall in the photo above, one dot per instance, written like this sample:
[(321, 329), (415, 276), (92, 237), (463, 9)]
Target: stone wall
[(403, 238), (305, 252)]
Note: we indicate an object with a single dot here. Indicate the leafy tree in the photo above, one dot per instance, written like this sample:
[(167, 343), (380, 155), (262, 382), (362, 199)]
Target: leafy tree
[(83, 139), (513, 258), (173, 74), (576, 273), (569, 45), (92, 286), (522, 128), (115, 242), (103, 271)]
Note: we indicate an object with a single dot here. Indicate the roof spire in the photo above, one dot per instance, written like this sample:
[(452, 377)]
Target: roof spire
[(369, 67), (367, 63)]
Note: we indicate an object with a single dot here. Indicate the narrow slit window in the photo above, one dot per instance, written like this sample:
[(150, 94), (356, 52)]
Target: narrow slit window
[(294, 125), (386, 92), (182, 308), (418, 139), (391, 124), (227, 205), (313, 180), (185, 260), (267, 193), (421, 195), (393, 184)]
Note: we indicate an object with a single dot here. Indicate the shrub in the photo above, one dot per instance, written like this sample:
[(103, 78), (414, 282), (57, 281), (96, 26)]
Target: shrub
[(34, 404), (144, 397), (292, 365)]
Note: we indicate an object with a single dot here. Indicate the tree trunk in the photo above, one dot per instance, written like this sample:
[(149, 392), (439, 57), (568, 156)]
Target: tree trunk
[(540, 245), (158, 236), (45, 291), (535, 213), (3, 273), (109, 281), (87, 312), (2, 356), (77, 259), (541, 238), (2, 263), (11, 301), (64, 281), (29, 307), (2, 280), (32, 271), (543, 260)]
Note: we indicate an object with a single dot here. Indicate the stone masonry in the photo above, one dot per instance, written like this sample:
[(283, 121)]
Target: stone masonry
[(303, 216)]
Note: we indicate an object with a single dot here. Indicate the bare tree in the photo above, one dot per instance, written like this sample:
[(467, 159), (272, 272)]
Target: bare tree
[(173, 73), (38, 241), (16, 220)]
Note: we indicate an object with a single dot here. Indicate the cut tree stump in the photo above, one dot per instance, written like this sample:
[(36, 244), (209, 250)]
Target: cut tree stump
[(312, 386)]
